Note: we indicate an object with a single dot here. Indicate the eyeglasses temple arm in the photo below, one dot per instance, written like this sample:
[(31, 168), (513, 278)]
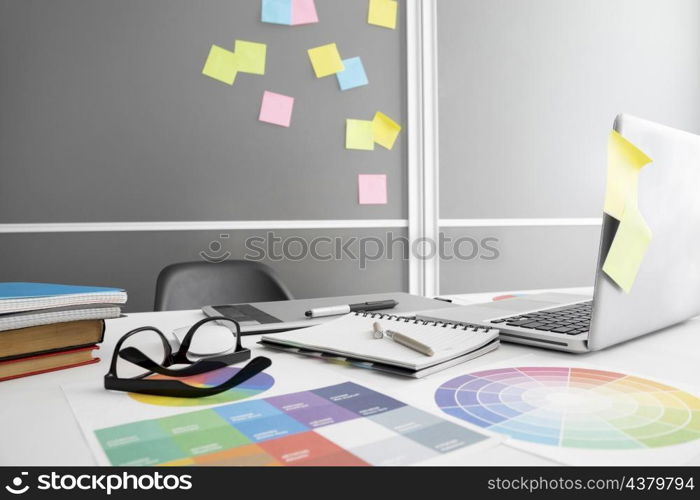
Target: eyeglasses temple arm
[(174, 388), (135, 356)]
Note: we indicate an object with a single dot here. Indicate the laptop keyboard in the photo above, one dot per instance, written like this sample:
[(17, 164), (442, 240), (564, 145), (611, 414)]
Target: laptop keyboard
[(568, 320)]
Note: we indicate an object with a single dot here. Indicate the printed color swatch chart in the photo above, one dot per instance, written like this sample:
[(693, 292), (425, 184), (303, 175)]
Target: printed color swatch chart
[(343, 424), (251, 387), (573, 407)]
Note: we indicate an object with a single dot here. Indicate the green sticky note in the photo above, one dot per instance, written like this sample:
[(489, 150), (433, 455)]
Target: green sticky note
[(359, 134), (325, 60), (628, 248), (624, 163), (251, 57), (221, 65), (386, 130)]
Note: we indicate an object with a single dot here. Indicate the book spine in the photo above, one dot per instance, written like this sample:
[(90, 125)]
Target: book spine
[(89, 362), (56, 350)]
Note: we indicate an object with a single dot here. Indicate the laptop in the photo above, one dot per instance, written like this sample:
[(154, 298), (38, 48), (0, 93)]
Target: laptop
[(667, 286)]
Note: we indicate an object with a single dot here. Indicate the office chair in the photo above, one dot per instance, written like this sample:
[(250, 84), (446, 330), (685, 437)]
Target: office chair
[(191, 285)]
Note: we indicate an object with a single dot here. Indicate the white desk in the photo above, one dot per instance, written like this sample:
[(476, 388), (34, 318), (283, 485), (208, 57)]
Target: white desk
[(37, 425)]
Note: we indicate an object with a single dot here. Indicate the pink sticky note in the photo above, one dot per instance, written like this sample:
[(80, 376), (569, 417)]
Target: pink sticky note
[(304, 12), (372, 189), (276, 109)]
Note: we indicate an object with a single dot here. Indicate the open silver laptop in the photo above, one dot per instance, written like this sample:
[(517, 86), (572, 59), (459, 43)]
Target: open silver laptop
[(667, 287)]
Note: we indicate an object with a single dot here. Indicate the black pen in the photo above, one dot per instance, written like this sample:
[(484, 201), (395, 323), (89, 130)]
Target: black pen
[(362, 306)]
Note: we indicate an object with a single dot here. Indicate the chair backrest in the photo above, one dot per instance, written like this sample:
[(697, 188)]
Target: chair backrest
[(191, 285)]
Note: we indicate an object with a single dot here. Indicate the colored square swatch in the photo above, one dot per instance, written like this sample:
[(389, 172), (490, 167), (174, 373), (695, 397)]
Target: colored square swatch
[(248, 411), (359, 134), (445, 437), (277, 12), (264, 429), (210, 440), (249, 455), (221, 65), (307, 448), (359, 399), (353, 75), (356, 433), (372, 189), (276, 109), (383, 13), (397, 450), (325, 60), (251, 57), (310, 409)]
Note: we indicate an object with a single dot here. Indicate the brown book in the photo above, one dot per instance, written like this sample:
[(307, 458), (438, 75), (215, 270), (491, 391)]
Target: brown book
[(48, 338), (49, 362)]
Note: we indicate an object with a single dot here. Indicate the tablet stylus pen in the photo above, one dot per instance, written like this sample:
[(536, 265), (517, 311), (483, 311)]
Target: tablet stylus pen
[(362, 306), (402, 339)]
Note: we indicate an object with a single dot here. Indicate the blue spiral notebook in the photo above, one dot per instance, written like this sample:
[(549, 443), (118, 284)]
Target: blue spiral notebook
[(19, 296)]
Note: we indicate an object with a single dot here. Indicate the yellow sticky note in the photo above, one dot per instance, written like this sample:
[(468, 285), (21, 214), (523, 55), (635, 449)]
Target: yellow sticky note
[(383, 13), (624, 162), (385, 129), (251, 57), (628, 248), (359, 134), (326, 60), (221, 65)]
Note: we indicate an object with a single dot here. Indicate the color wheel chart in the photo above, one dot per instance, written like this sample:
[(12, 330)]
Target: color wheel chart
[(573, 407), (251, 387)]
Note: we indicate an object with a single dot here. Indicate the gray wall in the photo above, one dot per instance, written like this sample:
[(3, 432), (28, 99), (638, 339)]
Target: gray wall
[(107, 117), (528, 93), (132, 260)]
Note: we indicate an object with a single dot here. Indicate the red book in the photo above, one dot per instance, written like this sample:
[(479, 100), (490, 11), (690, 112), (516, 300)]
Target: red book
[(49, 362)]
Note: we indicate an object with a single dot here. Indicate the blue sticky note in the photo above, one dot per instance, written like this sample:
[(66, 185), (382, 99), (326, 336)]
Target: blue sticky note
[(277, 11), (353, 75)]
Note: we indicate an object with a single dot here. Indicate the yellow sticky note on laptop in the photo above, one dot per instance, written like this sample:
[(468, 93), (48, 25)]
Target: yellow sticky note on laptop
[(624, 163), (383, 13), (359, 134), (326, 60), (628, 247), (385, 130), (221, 65), (251, 57)]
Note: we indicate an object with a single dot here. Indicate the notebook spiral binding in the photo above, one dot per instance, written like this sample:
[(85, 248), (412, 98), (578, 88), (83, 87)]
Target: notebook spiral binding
[(405, 319)]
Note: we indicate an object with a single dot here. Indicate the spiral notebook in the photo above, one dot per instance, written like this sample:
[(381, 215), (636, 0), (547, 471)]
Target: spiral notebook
[(350, 338)]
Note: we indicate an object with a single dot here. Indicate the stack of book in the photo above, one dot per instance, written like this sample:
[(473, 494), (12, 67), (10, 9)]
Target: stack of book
[(46, 327)]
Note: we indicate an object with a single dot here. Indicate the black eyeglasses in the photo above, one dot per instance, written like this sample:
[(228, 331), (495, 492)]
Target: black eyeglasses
[(147, 343)]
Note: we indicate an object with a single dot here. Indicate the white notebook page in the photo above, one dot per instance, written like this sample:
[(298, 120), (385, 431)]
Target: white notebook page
[(351, 335)]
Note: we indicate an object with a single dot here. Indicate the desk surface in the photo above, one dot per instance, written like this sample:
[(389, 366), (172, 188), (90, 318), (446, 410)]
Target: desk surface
[(37, 426)]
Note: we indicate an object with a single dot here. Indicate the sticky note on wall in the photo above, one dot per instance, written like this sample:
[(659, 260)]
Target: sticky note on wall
[(276, 12), (371, 189), (359, 134), (353, 75), (221, 65), (304, 12), (289, 12), (628, 247), (251, 57), (385, 130), (276, 109), (624, 163), (325, 60), (383, 13)]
